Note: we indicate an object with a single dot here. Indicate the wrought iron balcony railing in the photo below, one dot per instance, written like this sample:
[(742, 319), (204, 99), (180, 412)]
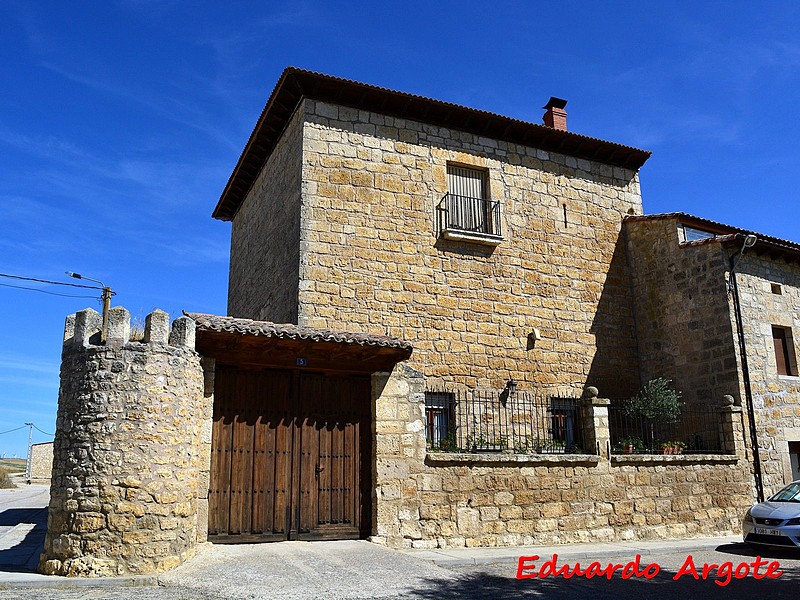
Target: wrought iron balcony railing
[(470, 215)]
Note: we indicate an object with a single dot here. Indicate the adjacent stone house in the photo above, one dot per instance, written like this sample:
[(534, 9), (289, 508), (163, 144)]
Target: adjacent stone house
[(718, 310), (429, 306), (40, 461)]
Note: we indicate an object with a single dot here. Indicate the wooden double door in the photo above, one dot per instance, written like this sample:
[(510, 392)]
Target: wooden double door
[(290, 456)]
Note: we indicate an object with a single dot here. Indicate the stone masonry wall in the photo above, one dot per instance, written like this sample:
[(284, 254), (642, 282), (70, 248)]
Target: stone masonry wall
[(265, 238), (429, 500), (371, 257), (776, 398), (124, 490), (682, 311)]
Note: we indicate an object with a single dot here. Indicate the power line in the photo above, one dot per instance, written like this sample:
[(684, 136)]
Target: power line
[(22, 287), (77, 285), (12, 430), (40, 431), (24, 426)]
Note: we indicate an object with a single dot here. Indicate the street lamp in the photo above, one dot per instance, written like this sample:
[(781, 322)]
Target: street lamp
[(106, 296)]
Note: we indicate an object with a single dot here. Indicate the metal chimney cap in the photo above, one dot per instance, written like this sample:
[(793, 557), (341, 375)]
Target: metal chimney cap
[(555, 103)]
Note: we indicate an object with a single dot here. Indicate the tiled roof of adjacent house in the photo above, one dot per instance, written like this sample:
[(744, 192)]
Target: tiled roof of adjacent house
[(727, 235), (206, 322), (296, 84)]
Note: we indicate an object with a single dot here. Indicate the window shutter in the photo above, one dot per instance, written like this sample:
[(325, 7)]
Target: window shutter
[(781, 351), (469, 183)]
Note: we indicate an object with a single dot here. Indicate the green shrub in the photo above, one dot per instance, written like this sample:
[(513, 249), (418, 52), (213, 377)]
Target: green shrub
[(656, 401)]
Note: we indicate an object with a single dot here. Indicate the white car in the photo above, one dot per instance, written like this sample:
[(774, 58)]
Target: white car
[(775, 522)]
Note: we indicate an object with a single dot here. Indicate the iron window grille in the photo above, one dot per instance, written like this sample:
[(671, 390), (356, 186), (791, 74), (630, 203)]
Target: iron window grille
[(488, 421), (469, 215)]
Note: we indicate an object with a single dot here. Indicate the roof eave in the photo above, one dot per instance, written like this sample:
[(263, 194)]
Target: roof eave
[(294, 84)]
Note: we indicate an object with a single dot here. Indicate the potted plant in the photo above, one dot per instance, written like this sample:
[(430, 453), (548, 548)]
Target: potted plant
[(673, 447), (631, 444)]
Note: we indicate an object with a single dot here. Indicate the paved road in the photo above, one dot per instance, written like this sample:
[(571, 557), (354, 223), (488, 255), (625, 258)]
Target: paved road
[(356, 570), (487, 582), (23, 523)]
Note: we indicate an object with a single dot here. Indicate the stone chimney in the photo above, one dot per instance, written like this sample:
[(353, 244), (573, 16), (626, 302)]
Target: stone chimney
[(556, 116)]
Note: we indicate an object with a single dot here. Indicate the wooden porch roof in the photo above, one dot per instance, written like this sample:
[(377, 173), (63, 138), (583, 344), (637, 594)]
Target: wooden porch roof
[(245, 342)]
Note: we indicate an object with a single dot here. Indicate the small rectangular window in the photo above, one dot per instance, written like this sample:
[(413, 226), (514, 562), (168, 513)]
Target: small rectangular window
[(776, 288), (692, 234), (440, 420), (784, 350)]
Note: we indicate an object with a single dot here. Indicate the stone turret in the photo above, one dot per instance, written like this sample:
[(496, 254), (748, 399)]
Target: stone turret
[(127, 448)]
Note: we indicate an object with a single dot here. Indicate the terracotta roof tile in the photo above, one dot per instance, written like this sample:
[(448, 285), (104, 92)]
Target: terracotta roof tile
[(296, 84), (206, 322), (725, 234)]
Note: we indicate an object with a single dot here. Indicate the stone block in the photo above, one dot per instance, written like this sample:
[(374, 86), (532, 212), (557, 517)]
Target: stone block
[(156, 327), (468, 522), (183, 333), (119, 326)]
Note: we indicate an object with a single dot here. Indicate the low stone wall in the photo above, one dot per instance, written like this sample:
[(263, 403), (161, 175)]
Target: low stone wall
[(127, 448), (429, 500), (484, 501)]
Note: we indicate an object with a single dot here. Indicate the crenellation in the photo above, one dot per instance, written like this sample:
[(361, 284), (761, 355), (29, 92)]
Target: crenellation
[(87, 324), (183, 332), (119, 327), (69, 327), (156, 327)]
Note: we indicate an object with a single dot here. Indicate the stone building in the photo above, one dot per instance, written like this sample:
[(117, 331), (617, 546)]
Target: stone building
[(429, 307), (495, 249), (715, 333), (466, 233), (40, 460)]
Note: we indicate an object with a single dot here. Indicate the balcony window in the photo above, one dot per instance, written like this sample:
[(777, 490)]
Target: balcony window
[(466, 213)]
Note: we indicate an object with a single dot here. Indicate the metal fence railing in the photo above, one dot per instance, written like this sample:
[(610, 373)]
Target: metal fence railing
[(697, 430), (463, 213), (488, 421)]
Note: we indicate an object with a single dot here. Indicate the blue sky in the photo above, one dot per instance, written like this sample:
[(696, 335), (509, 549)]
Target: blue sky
[(120, 121)]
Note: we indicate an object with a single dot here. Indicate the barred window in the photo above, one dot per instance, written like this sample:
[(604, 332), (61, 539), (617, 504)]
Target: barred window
[(439, 419)]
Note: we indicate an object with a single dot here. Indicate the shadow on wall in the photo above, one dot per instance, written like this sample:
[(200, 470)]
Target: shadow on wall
[(615, 368)]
